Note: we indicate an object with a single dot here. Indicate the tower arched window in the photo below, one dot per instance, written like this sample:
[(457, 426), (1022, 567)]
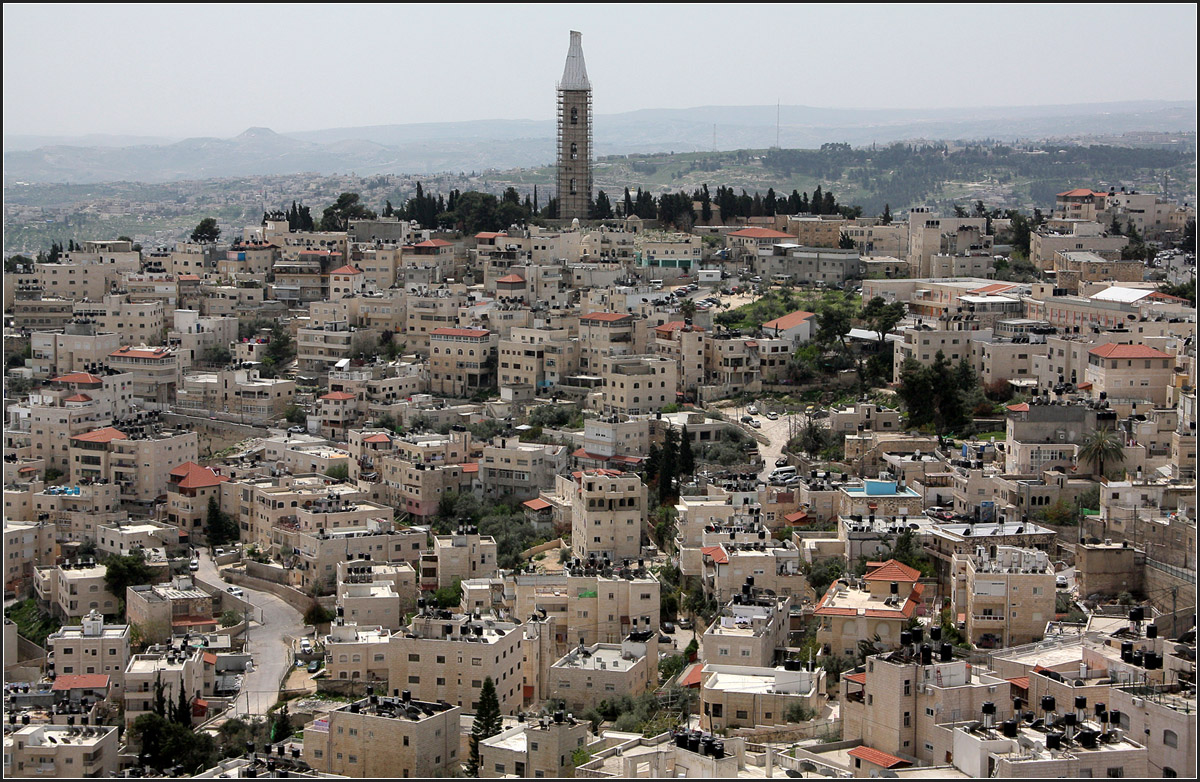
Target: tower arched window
[(572, 185), (574, 151), (574, 116)]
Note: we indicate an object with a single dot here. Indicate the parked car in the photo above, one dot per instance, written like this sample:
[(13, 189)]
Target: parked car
[(757, 424), (668, 627), (752, 409), (305, 645), (773, 416), (747, 419), (1060, 582), (296, 430), (218, 552), (781, 461), (685, 624), (314, 666), (235, 591), (194, 565)]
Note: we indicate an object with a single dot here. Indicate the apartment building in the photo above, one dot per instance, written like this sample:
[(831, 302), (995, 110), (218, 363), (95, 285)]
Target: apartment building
[(42, 313), (125, 537), (73, 590), (1163, 718), (463, 555), (750, 242), (371, 603), (587, 675), (752, 629), (422, 469), (242, 393), (318, 349), (608, 513), (90, 647), (794, 263), (683, 343), (461, 361), (176, 670), (874, 238), (590, 605), (140, 464), (733, 366), (748, 696), (51, 751), (1007, 596), (816, 230), (896, 702), (536, 748), (635, 385), (27, 545), (1136, 373), (440, 656), (605, 335), (80, 347), (880, 604), (514, 470), (174, 609), (432, 309), (381, 736), (750, 554), (154, 371)]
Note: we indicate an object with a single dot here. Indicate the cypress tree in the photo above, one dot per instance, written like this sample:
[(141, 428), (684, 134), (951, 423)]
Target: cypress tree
[(488, 722)]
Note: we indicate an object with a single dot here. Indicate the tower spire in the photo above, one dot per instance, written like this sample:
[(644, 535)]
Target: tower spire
[(574, 135)]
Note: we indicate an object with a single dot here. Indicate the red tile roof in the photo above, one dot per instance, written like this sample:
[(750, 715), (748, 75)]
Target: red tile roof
[(448, 332), (676, 325), (1021, 682), (194, 476), (761, 233), (996, 287), (511, 279), (691, 677), (877, 757), (487, 235), (1113, 350), (337, 395), (433, 243), (77, 377), (1079, 192), (105, 435), (80, 681), (1021, 408), (380, 437), (470, 467), (607, 317), (536, 504), (189, 277), (857, 678), (798, 516), (717, 553), (347, 269), (893, 571), (789, 321), (78, 398), (210, 658)]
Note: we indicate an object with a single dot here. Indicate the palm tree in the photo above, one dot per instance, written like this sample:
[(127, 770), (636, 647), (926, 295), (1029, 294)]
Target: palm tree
[(687, 308), (1102, 445)]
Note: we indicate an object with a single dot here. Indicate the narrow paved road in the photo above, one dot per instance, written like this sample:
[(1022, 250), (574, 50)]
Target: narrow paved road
[(268, 645)]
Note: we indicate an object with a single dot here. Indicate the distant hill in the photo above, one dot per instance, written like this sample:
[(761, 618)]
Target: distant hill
[(506, 144)]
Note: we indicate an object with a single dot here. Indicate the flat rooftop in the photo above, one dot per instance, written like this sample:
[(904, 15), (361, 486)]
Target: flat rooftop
[(610, 655)]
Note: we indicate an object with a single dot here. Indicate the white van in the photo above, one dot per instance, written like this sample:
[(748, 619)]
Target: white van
[(781, 474)]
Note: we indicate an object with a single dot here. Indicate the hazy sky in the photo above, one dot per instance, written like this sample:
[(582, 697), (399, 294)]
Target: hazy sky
[(216, 70)]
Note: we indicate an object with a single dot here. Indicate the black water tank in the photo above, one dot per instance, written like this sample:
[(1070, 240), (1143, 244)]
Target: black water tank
[(1136, 614), (1017, 704), (1047, 703), (1152, 631), (1054, 740), (906, 638), (947, 653), (1114, 717), (1008, 729), (718, 749), (750, 580), (917, 635), (989, 708), (1098, 708), (926, 654), (935, 633), (1080, 703), (1070, 720)]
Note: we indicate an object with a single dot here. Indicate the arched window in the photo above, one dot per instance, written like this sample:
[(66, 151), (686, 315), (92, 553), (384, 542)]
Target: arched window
[(1169, 773), (1170, 738), (572, 186), (574, 151), (574, 116)]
